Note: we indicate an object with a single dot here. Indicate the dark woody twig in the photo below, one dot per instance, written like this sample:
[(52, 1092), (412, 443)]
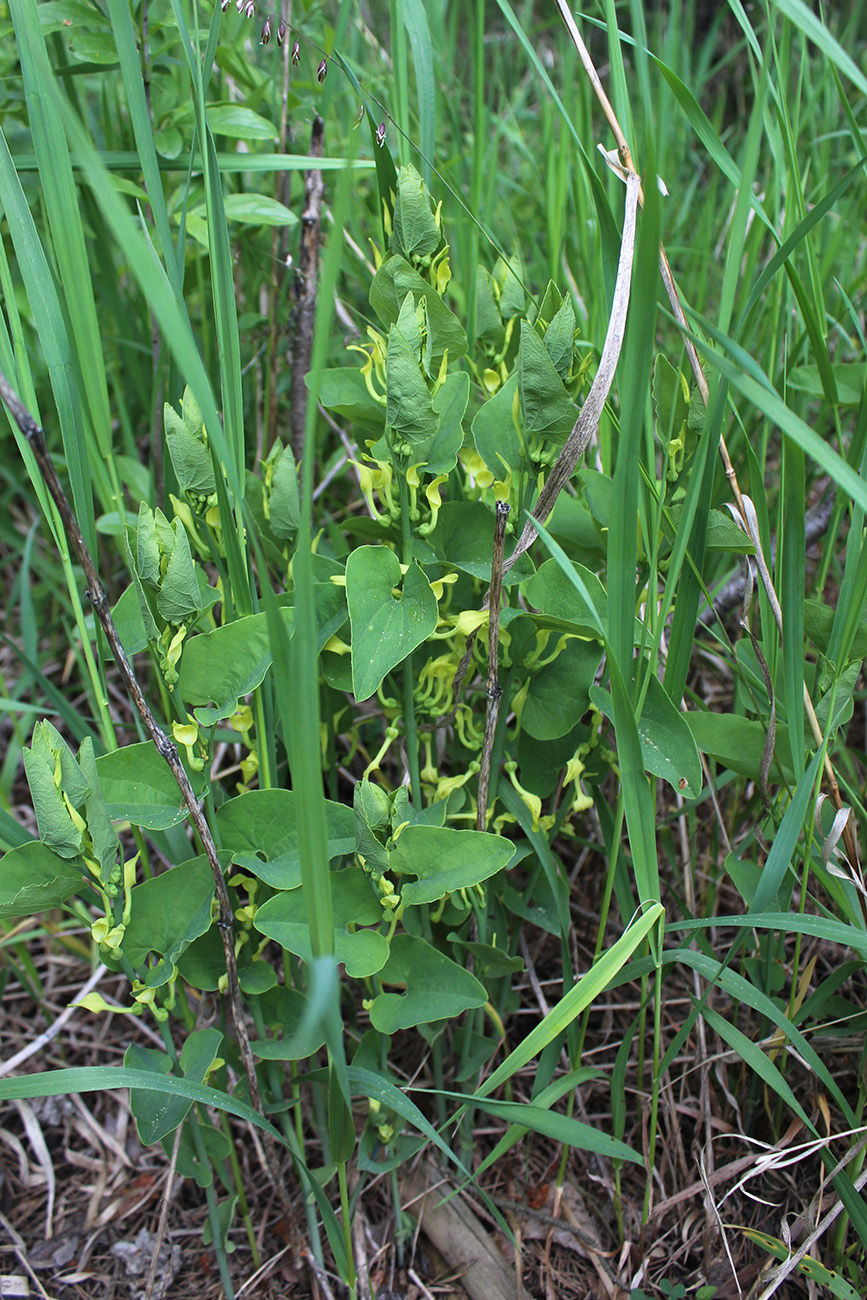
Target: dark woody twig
[(495, 690), (164, 746), (308, 279)]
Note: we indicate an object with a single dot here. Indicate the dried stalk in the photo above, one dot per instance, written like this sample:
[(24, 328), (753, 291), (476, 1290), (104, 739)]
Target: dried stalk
[(304, 318), (588, 420), (495, 690), (164, 746)]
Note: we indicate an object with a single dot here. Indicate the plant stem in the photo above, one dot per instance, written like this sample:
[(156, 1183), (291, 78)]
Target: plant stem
[(351, 1278), (408, 674)]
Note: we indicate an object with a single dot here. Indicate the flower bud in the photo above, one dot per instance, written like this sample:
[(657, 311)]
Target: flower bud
[(281, 32), (251, 9), (322, 71), (296, 54), (380, 134), (266, 32)]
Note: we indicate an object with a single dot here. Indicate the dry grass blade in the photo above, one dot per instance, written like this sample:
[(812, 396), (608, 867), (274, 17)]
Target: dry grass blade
[(36, 1045), (588, 421)]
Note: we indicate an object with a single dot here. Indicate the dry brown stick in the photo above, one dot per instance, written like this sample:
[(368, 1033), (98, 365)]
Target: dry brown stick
[(278, 248), (304, 318), (164, 746), (588, 420), (495, 690)]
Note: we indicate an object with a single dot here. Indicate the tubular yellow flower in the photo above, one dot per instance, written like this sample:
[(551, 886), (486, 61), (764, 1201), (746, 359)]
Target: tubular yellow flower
[(477, 471), (439, 584), (471, 737), (186, 734), (434, 500), (450, 783), (95, 1002), (183, 512), (337, 646), (429, 772), (367, 481), (532, 801)]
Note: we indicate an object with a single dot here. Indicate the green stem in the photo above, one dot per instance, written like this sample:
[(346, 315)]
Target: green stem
[(265, 777), (409, 721), (238, 1179), (351, 1277)]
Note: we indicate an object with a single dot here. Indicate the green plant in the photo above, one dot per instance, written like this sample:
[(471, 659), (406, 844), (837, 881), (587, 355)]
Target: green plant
[(482, 697)]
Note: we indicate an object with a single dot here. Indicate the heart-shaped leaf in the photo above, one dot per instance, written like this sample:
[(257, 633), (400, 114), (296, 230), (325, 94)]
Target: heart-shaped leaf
[(386, 627)]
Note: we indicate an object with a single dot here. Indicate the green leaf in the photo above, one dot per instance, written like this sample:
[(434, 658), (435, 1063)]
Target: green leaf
[(191, 457), (240, 123), (283, 504), (128, 620), (156, 1114), (507, 278), (372, 809), (450, 403), (289, 1011), (445, 860), (179, 595), (753, 1056), (558, 693), (342, 389), (671, 409), (464, 539), (258, 210), (415, 234), (409, 410), (848, 377), (559, 339), (103, 838), (808, 1267), (551, 592), (385, 627), (47, 761), (498, 441), (260, 830), (738, 743), (546, 407), (723, 533), (585, 992), (561, 1128), (668, 748), (220, 666), (392, 282), (489, 323), (138, 787), (819, 624), (363, 952), (33, 878), (436, 987), (168, 913)]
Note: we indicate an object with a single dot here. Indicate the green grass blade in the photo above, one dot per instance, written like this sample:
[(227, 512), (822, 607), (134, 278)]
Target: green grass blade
[(582, 995), (130, 66), (64, 219), (815, 30), (415, 19)]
